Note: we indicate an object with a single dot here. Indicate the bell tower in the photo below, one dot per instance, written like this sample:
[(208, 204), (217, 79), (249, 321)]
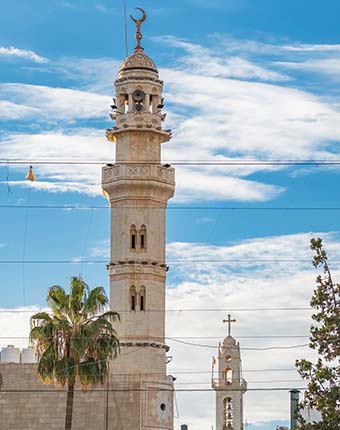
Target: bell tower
[(229, 386), (138, 188)]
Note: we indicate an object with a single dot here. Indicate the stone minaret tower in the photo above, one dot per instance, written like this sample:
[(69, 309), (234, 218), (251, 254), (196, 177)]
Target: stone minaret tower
[(229, 386), (138, 188)]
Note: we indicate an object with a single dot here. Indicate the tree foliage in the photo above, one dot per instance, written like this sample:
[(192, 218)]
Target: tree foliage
[(75, 341), (323, 376)]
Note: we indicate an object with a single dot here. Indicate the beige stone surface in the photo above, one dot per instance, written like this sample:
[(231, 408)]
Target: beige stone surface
[(28, 404)]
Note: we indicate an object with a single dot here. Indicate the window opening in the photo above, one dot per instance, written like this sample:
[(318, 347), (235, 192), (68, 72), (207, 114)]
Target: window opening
[(126, 104), (228, 418), (142, 299), (143, 237), (133, 298), (227, 375), (133, 237)]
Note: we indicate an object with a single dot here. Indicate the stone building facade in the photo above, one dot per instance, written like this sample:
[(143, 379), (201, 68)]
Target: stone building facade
[(139, 394)]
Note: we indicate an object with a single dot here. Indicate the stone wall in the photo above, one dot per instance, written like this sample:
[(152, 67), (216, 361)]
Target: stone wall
[(28, 404)]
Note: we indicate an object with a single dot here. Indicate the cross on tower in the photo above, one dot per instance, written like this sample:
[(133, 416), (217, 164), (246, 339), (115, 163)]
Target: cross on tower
[(229, 321)]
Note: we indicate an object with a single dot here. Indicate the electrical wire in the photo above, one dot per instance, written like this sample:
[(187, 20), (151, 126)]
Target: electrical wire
[(283, 309), (150, 389), (181, 208), (192, 337), (242, 348), (180, 262), (315, 163)]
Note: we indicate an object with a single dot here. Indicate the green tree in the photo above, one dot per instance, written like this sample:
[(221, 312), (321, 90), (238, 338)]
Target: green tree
[(323, 392), (75, 341)]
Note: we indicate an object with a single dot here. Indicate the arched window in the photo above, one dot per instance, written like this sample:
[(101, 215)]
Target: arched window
[(228, 415), (133, 297), (126, 103), (133, 237), (227, 375), (142, 299), (142, 234)]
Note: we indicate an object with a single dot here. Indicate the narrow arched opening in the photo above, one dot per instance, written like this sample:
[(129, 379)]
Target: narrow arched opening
[(142, 234), (227, 375), (133, 237), (142, 299), (133, 298)]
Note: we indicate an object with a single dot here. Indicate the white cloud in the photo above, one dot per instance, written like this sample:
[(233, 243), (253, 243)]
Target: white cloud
[(200, 185), (8, 52), (206, 61), (52, 104), (90, 143), (242, 119), (328, 66), (15, 325), (312, 48), (11, 111), (231, 44)]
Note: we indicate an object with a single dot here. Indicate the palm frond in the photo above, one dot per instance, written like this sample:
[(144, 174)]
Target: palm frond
[(76, 342)]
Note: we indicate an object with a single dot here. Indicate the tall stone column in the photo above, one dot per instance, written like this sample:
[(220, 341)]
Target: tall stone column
[(138, 188)]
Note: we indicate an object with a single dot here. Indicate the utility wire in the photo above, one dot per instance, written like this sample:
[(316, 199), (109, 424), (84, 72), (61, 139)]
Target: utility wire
[(315, 163), (180, 208), (128, 390), (242, 348), (181, 262), (189, 337), (179, 310)]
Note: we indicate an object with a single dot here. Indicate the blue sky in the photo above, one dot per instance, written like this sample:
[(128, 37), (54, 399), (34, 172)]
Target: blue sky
[(245, 79)]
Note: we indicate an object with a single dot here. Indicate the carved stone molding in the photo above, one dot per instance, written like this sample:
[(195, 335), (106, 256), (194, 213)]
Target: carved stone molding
[(138, 171)]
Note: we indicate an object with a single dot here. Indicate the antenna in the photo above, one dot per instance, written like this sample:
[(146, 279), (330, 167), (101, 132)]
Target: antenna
[(126, 31)]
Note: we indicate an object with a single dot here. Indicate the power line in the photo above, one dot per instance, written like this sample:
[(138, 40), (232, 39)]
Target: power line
[(171, 208), (192, 337), (158, 389), (182, 310), (274, 381), (182, 262), (315, 163), (242, 348)]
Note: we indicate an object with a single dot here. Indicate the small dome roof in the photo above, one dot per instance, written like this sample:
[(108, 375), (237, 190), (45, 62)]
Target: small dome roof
[(137, 62)]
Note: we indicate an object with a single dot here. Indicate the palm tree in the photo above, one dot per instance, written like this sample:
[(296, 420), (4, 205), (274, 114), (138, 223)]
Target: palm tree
[(74, 342)]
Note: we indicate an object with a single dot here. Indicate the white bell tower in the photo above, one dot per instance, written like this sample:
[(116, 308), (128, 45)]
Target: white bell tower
[(138, 188), (229, 386)]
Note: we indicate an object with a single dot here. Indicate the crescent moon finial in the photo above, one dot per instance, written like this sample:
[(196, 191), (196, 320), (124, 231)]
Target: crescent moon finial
[(138, 23)]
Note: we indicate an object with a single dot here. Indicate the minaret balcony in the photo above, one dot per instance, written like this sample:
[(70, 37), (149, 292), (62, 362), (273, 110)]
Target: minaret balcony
[(146, 183), (119, 172)]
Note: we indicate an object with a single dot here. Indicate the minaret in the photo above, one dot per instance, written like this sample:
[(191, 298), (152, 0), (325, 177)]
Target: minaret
[(138, 188), (229, 386)]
